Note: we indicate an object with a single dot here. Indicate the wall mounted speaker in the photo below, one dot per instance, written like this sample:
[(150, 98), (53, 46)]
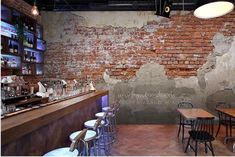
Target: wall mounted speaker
[(163, 7)]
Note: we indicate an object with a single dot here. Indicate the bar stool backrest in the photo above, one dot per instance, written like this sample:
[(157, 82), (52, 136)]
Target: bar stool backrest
[(97, 123), (79, 139)]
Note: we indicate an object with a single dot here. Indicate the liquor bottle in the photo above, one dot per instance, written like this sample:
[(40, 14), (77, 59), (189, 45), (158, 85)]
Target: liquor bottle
[(32, 29), (8, 62), (29, 70), (5, 62), (28, 54), (13, 63), (31, 57), (2, 62), (23, 70), (31, 42), (28, 42), (10, 47), (16, 49), (25, 56)]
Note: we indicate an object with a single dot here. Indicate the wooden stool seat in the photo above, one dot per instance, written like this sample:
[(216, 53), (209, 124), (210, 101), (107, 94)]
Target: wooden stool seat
[(62, 152)]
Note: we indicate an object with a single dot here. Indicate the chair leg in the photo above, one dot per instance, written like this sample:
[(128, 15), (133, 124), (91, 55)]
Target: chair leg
[(205, 147), (179, 127), (182, 133), (230, 127), (179, 130), (226, 141), (212, 150), (187, 145), (196, 148), (218, 129)]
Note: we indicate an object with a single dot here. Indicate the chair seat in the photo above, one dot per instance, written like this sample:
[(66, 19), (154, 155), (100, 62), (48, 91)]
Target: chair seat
[(90, 135), (101, 114), (62, 152), (106, 108), (91, 123), (201, 135)]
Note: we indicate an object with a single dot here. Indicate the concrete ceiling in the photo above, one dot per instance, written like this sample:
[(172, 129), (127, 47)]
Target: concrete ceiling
[(112, 5)]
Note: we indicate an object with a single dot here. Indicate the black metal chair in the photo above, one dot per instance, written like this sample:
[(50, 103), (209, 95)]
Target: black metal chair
[(225, 120), (184, 123), (202, 132)]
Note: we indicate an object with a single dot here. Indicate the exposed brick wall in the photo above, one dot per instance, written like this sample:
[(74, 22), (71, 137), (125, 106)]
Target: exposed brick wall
[(181, 44)]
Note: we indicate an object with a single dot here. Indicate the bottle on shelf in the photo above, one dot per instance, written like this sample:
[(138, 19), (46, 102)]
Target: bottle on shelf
[(31, 43), (8, 62), (13, 63), (16, 49), (25, 56), (31, 56), (32, 29), (23, 70), (5, 62), (2, 62), (10, 46), (29, 70), (28, 42)]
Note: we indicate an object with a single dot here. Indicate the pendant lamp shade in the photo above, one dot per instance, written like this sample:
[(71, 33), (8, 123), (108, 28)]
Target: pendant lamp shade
[(34, 10), (213, 9)]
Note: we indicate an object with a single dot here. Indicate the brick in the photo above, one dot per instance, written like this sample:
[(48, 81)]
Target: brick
[(181, 47)]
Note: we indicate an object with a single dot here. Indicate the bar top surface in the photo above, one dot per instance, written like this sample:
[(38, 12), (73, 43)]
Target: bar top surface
[(193, 113), (24, 123)]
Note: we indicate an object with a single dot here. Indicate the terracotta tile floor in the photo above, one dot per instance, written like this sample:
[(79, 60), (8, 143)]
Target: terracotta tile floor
[(160, 140)]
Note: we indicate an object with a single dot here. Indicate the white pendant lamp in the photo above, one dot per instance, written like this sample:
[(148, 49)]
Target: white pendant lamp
[(213, 9)]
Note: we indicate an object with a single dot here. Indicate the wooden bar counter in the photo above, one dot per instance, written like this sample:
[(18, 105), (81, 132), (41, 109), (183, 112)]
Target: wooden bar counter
[(41, 130)]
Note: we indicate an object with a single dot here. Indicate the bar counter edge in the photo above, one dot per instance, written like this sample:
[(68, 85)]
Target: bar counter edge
[(25, 127)]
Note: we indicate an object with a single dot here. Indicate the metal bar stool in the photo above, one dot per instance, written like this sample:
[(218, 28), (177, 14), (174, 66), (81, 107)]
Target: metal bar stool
[(110, 120), (90, 139), (76, 148), (98, 126)]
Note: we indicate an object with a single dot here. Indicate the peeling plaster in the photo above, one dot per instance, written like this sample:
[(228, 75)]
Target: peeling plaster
[(151, 93)]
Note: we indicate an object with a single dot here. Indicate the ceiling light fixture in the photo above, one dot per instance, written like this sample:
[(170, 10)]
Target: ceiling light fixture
[(34, 10), (213, 9)]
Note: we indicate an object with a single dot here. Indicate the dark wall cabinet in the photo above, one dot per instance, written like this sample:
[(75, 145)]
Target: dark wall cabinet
[(22, 44)]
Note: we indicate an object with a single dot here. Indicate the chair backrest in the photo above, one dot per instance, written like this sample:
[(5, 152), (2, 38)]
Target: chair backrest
[(223, 105), (79, 139), (223, 117), (185, 105), (202, 125)]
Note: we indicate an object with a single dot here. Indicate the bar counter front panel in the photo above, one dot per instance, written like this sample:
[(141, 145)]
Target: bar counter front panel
[(39, 131)]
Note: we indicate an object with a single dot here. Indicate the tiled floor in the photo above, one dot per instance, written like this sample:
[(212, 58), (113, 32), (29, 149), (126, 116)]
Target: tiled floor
[(160, 140)]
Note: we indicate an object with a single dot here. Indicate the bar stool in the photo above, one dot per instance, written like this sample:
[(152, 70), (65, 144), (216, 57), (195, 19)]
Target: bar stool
[(98, 126), (112, 113), (89, 139), (107, 116), (78, 142)]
